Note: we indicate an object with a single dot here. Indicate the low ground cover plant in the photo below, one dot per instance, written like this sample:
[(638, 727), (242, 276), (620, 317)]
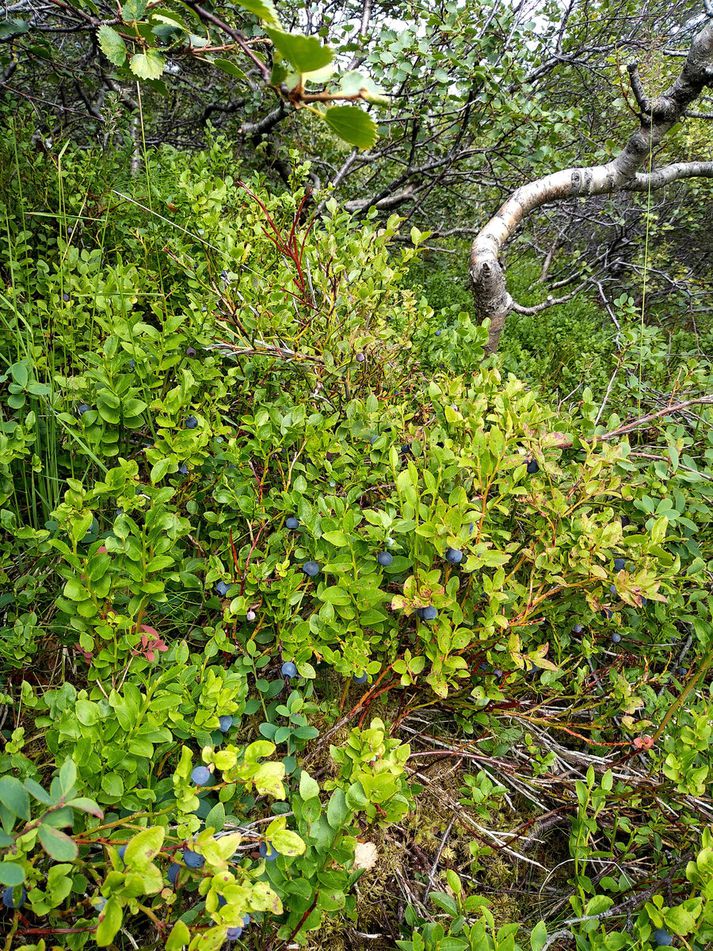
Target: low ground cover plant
[(316, 623)]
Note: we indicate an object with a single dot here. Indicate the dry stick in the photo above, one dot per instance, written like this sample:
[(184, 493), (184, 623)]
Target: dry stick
[(637, 423)]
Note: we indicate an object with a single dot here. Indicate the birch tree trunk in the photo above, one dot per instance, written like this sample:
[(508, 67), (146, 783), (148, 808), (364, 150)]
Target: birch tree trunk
[(492, 299)]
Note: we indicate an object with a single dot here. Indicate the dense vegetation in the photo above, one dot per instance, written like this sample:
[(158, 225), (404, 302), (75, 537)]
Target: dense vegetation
[(321, 626)]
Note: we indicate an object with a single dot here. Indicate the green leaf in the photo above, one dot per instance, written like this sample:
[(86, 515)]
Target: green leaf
[(179, 937), (86, 805), (353, 125), (20, 374), (112, 45), (148, 65), (538, 937), (337, 810), (133, 10), (14, 798), (264, 9), (11, 874), (216, 817), (40, 794), (287, 842), (13, 27), (109, 922), (67, 777), (227, 66), (339, 539), (144, 847), (309, 788), (306, 53), (57, 844)]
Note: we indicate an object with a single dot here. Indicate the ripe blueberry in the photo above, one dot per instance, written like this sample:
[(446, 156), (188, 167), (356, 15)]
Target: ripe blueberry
[(577, 629), (250, 616), (132, 364), (9, 900), (619, 564), (191, 422), (360, 357), (65, 297), (173, 871), (311, 569), (183, 469), (292, 522), (288, 669), (497, 673), (83, 408), (615, 638), (533, 466), (406, 448), (360, 678), (384, 558), (268, 852), (200, 775), (454, 555), (438, 333), (625, 520), (222, 588), (681, 671), (428, 613), (190, 351), (662, 938), (122, 852), (193, 859), (232, 934), (225, 722)]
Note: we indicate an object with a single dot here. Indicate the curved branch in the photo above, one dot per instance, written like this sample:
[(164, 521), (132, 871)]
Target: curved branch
[(492, 299)]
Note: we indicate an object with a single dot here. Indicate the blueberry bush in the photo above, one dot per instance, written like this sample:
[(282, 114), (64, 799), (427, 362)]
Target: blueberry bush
[(318, 627)]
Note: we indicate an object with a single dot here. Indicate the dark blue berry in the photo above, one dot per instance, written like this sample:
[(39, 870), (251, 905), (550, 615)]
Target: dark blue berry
[(193, 859), (288, 669), (577, 629), (132, 364), (190, 351), (612, 589), (122, 852), (360, 357), (406, 448), (454, 555), (428, 613), (681, 671), (225, 722), (292, 522), (615, 638), (10, 901), (232, 934), (222, 588), (625, 520), (83, 408), (200, 775), (533, 466), (268, 852), (191, 422), (183, 469), (372, 439), (311, 569), (662, 938), (222, 901), (438, 333), (65, 297), (385, 558), (497, 673), (173, 872), (619, 564), (360, 678)]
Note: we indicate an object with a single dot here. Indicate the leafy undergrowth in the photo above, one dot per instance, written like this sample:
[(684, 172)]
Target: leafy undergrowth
[(319, 629)]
